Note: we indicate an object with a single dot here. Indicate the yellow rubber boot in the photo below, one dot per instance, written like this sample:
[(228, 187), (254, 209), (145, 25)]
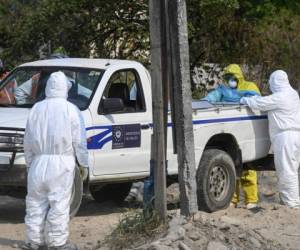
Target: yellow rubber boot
[(236, 196), (249, 186)]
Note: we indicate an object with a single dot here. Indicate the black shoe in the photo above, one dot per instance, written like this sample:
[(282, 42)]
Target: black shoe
[(256, 210), (33, 246)]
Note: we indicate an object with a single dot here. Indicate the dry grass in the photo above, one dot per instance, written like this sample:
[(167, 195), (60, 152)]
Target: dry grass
[(135, 228)]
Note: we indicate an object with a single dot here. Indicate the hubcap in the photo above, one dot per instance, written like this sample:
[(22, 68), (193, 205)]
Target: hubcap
[(218, 183)]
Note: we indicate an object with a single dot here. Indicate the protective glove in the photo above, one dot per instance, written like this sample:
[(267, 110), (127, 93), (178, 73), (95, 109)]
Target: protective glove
[(243, 100), (84, 172)]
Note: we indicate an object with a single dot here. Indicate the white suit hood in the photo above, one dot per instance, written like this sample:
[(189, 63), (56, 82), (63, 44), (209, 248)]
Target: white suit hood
[(58, 86), (279, 81)]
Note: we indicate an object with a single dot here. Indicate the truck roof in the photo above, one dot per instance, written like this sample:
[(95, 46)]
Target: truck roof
[(80, 63)]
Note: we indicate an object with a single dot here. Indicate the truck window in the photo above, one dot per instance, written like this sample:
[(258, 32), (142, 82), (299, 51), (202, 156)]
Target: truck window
[(26, 86), (20, 88), (126, 85)]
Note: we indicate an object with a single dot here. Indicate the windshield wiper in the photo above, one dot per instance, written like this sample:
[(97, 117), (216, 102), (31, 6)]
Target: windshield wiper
[(25, 105), (5, 105), (16, 105)]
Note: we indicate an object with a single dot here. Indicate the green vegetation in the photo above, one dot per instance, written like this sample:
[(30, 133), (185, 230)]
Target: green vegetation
[(135, 228), (252, 32), (83, 28)]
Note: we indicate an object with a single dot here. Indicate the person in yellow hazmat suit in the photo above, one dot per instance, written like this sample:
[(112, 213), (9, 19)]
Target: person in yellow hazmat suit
[(235, 88)]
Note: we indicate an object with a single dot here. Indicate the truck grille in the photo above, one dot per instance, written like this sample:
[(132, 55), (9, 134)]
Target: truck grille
[(11, 139)]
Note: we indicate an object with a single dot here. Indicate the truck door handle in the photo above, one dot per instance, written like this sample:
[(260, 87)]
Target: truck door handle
[(145, 126)]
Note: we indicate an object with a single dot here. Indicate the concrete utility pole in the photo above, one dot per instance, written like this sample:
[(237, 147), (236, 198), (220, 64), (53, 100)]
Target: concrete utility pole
[(170, 71), (159, 105), (182, 107)]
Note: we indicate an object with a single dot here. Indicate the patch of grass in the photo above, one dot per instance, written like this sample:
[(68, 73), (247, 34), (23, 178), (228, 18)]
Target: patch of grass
[(136, 227)]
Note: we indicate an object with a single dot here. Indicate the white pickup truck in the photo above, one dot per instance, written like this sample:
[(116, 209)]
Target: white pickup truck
[(114, 97)]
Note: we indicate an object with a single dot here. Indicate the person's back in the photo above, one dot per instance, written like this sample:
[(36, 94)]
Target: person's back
[(54, 134), (52, 131), (286, 116), (50, 122)]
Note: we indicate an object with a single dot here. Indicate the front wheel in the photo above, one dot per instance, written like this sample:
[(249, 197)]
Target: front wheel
[(216, 180), (77, 192)]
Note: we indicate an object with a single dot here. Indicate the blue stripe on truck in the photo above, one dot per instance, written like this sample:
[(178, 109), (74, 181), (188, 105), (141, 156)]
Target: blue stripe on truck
[(231, 119), (99, 140)]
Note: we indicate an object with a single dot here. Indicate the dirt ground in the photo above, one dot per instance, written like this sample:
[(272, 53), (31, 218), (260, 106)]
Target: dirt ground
[(94, 221), (90, 225)]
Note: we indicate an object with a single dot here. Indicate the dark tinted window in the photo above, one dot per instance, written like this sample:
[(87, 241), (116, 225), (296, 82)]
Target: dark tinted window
[(126, 85)]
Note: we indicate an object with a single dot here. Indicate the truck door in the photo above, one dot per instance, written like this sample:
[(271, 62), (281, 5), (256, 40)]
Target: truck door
[(121, 140)]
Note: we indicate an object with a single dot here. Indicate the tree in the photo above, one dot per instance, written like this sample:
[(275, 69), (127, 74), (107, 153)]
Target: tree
[(252, 32), (84, 28)]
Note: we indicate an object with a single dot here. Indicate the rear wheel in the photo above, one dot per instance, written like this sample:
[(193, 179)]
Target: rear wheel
[(110, 192), (216, 179), (77, 193)]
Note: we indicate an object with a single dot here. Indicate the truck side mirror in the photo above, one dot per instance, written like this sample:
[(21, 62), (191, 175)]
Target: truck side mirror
[(111, 105)]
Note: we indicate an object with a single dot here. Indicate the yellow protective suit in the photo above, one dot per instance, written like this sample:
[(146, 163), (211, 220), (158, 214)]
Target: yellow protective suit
[(248, 181), (243, 85)]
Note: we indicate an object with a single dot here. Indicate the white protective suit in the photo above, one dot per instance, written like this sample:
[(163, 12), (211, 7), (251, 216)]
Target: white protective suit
[(283, 108), (23, 92), (54, 135)]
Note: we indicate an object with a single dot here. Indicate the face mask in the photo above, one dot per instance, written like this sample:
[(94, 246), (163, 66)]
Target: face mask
[(232, 83)]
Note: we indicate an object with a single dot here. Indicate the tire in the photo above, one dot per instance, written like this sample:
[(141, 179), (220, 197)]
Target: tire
[(110, 192), (216, 180), (77, 193)]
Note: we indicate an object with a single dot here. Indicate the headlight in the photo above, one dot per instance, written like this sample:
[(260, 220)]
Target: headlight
[(6, 139), (11, 141), (18, 140)]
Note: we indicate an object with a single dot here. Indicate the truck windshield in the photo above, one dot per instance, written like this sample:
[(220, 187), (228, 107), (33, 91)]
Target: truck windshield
[(26, 86)]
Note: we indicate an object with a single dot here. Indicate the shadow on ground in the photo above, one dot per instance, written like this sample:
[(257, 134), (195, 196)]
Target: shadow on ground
[(90, 207), (4, 243), (12, 210)]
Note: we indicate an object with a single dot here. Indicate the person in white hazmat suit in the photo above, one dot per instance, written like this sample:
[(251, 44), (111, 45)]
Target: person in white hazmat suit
[(54, 136), (283, 107)]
